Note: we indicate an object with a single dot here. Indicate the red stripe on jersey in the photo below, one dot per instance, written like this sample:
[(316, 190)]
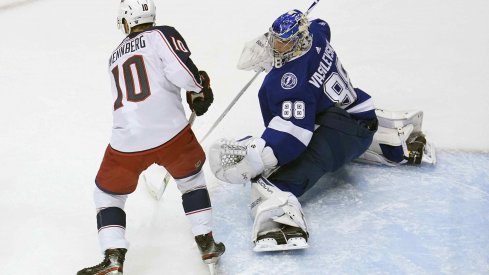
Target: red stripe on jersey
[(180, 61)]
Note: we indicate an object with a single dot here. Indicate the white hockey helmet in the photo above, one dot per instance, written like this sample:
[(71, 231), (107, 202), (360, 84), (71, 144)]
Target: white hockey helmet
[(135, 12)]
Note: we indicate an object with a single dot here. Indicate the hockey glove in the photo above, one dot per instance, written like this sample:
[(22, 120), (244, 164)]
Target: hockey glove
[(240, 161), (200, 102), (256, 55)]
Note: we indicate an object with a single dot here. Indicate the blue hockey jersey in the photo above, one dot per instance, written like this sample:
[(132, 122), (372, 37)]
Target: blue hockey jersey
[(293, 95)]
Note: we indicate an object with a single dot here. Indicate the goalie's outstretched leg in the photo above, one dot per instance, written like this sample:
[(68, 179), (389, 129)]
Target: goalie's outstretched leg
[(399, 140), (279, 222)]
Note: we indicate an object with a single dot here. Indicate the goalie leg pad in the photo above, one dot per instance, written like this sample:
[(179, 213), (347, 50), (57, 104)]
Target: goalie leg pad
[(273, 210), (391, 144), (396, 119)]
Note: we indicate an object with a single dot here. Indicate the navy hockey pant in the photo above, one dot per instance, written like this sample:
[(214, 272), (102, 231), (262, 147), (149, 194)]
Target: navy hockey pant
[(338, 140)]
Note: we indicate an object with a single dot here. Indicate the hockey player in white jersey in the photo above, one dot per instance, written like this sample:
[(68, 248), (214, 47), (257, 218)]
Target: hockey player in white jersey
[(316, 122), (147, 71)]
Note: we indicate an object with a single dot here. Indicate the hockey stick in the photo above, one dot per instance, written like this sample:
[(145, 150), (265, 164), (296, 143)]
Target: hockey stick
[(244, 88), (218, 120), (157, 190), (311, 7)]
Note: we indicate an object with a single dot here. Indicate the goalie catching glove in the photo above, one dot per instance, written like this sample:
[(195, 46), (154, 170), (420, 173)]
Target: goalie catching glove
[(256, 55), (200, 102), (239, 161)]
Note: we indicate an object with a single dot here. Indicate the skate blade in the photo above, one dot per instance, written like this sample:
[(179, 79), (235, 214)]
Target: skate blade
[(212, 260), (279, 247), (429, 155), (212, 268)]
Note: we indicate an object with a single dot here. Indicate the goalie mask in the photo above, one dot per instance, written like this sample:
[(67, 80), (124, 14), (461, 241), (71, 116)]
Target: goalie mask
[(135, 12), (289, 37)]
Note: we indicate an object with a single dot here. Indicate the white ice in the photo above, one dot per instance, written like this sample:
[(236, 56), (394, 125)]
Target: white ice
[(55, 115)]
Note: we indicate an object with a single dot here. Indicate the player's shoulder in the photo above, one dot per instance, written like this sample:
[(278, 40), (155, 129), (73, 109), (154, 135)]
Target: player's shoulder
[(167, 31), (288, 81), (320, 27), (319, 24)]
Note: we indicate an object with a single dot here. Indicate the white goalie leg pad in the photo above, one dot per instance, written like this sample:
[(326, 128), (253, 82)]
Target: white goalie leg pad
[(399, 119), (271, 206), (395, 127), (387, 136)]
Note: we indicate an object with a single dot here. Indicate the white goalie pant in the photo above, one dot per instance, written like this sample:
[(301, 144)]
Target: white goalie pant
[(395, 127), (272, 207)]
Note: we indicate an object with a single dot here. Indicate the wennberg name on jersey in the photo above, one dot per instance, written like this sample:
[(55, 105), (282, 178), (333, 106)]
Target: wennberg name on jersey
[(293, 95), (128, 46)]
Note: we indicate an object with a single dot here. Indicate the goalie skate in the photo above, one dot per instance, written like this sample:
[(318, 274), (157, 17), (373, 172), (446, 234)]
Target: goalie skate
[(285, 238)]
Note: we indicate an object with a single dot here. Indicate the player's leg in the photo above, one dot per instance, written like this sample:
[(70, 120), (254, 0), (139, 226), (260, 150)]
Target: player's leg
[(117, 177), (111, 223), (399, 140), (183, 159), (339, 139), (279, 222)]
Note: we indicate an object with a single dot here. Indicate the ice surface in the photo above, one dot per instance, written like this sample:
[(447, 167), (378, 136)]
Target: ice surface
[(374, 220), (55, 116)]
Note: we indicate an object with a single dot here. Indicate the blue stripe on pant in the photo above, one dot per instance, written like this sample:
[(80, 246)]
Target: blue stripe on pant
[(339, 139)]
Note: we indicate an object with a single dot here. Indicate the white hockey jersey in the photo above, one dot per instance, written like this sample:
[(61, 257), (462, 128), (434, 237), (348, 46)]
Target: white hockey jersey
[(148, 70)]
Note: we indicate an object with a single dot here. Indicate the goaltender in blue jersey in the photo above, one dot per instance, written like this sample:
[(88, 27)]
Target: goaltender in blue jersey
[(294, 95), (316, 122)]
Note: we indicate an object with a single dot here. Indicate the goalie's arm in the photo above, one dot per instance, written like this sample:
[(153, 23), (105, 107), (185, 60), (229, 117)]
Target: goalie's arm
[(289, 120)]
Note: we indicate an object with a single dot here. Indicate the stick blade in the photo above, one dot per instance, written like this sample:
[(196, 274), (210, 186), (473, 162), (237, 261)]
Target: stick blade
[(154, 181)]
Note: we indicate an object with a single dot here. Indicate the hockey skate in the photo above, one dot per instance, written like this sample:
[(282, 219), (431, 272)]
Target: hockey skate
[(285, 238), (209, 250), (420, 150), (415, 145), (111, 265)]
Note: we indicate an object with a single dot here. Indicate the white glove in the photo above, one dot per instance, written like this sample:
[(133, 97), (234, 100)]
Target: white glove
[(256, 55), (240, 161)]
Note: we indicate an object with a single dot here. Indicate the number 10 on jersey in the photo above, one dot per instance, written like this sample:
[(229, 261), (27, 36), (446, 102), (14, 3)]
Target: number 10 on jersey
[(132, 68)]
